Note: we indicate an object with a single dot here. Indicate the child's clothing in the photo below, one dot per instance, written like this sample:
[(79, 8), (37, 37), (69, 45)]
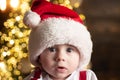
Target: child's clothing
[(76, 75)]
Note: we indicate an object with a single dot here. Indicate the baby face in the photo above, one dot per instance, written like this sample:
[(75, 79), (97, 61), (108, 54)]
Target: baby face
[(60, 61)]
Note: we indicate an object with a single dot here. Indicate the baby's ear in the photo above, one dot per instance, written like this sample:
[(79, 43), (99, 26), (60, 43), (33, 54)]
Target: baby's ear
[(39, 62), (38, 59)]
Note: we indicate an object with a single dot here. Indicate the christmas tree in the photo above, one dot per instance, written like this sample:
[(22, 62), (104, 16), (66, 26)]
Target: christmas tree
[(14, 64), (13, 43)]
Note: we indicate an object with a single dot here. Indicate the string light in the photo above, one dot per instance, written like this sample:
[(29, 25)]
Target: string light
[(14, 3), (82, 16), (11, 42), (2, 67), (2, 5), (17, 18), (4, 54)]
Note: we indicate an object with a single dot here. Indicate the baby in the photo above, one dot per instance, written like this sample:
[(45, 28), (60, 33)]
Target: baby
[(60, 45)]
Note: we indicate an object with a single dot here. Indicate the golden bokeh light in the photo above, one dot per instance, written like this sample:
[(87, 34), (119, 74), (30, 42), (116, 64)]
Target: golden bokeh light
[(14, 3), (2, 5)]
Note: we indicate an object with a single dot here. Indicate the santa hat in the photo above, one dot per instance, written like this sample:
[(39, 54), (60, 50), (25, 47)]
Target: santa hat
[(53, 24)]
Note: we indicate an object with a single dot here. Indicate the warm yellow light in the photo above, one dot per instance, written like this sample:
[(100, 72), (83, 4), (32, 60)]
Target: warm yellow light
[(77, 4), (13, 31), (24, 7), (2, 5), (20, 34), (67, 2), (14, 3), (16, 72), (12, 60), (17, 18), (82, 16), (11, 42), (2, 66), (4, 54), (17, 48)]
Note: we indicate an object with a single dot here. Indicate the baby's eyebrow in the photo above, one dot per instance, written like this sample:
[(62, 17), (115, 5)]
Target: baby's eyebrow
[(70, 45)]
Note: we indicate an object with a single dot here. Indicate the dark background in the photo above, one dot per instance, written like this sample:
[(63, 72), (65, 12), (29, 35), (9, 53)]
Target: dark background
[(103, 21)]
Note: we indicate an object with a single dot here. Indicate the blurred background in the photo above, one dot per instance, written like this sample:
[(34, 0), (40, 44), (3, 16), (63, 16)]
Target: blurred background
[(102, 17)]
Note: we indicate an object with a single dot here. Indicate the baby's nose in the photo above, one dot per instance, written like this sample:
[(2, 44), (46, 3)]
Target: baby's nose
[(60, 56)]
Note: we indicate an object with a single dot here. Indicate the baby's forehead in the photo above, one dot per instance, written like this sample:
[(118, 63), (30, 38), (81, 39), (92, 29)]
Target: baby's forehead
[(64, 45)]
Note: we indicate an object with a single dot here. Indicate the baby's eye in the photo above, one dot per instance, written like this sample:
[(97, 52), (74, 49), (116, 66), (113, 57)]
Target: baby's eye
[(69, 50), (52, 49)]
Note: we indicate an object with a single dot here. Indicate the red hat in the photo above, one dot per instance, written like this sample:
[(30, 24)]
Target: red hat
[(53, 24)]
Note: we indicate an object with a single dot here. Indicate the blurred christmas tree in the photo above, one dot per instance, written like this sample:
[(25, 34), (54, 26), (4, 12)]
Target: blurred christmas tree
[(14, 64), (13, 43)]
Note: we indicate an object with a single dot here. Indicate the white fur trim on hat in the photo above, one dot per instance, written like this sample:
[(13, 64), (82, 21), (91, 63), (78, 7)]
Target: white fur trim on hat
[(54, 31), (31, 19)]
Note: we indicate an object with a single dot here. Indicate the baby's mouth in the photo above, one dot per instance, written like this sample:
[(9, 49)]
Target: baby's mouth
[(61, 69)]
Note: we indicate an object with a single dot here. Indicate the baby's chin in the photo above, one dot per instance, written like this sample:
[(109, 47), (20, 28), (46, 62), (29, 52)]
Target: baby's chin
[(59, 76)]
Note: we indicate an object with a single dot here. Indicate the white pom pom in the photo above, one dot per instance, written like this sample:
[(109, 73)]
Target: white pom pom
[(31, 19)]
